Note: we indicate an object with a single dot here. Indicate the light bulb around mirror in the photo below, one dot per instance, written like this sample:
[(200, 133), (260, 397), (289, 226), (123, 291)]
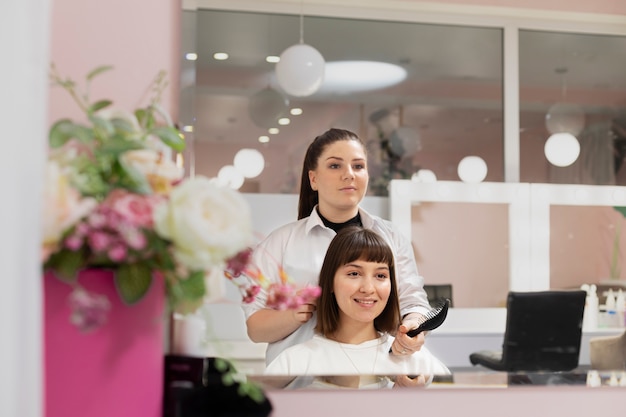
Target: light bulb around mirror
[(562, 149), (249, 162), (300, 71), (228, 176), (472, 169)]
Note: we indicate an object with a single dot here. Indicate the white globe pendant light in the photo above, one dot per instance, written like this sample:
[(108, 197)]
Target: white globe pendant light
[(562, 149), (249, 162), (300, 71)]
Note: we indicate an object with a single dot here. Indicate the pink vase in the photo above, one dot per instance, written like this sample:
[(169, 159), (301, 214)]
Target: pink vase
[(114, 371)]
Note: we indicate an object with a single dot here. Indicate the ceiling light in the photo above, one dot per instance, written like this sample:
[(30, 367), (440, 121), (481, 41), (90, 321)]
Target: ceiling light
[(220, 56), (272, 59), (296, 111), (353, 76), (273, 130), (264, 139), (284, 121), (191, 56), (188, 128)]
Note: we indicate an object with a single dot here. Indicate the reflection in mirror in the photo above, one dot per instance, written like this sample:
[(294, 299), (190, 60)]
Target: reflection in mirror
[(452, 93), (451, 102), (580, 73)]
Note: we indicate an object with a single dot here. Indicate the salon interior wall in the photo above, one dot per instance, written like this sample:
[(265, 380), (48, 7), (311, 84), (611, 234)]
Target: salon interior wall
[(138, 38)]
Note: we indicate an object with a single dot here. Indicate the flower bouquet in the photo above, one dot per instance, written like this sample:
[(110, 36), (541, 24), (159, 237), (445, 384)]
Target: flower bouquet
[(115, 199)]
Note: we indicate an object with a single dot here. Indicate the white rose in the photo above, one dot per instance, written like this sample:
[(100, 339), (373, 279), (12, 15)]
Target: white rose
[(62, 206), (207, 223)]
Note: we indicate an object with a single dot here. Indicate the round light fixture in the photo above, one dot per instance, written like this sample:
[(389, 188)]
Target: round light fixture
[(424, 175), (249, 162), (562, 149), (300, 71), (472, 169), (346, 77), (229, 176), (565, 117)]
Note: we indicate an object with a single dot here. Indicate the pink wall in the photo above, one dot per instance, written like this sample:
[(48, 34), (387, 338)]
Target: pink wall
[(139, 38)]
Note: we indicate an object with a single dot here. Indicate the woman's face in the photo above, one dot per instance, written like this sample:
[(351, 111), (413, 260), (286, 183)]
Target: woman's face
[(340, 179), (362, 289)]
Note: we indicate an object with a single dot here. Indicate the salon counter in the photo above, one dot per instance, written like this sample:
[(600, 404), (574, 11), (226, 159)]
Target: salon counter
[(465, 330)]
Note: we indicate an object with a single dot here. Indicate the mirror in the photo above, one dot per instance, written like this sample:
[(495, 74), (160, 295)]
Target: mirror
[(452, 99)]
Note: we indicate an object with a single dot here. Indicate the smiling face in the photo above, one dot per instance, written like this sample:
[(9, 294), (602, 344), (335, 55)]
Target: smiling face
[(340, 179), (361, 290)]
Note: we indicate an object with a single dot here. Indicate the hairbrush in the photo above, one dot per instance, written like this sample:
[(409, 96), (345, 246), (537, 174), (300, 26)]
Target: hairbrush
[(433, 319)]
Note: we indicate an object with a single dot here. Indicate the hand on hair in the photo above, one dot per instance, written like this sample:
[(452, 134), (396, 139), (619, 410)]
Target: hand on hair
[(304, 312), (412, 381)]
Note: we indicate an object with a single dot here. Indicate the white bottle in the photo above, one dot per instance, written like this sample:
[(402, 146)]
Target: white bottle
[(590, 318), (620, 307), (611, 312)]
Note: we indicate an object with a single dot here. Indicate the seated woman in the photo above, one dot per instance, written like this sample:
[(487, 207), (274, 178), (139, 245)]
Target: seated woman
[(356, 312)]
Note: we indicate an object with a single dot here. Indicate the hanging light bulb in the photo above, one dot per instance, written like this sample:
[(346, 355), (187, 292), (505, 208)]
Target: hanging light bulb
[(472, 169), (300, 71)]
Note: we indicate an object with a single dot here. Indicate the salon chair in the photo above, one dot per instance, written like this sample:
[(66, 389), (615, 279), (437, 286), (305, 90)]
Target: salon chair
[(543, 333), (608, 352)]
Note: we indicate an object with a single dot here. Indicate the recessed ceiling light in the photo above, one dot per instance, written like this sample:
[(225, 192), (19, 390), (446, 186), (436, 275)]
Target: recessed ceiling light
[(220, 56), (188, 128), (273, 130), (284, 121), (296, 111), (191, 56), (272, 59), (264, 139), (353, 76)]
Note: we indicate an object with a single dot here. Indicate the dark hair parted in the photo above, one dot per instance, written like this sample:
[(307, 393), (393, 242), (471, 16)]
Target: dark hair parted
[(354, 243), (309, 197)]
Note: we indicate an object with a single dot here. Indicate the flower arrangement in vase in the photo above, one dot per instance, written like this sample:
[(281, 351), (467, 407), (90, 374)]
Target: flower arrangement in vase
[(115, 199)]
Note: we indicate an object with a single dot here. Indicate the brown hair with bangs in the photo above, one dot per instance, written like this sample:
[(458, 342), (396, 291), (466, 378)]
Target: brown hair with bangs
[(354, 243)]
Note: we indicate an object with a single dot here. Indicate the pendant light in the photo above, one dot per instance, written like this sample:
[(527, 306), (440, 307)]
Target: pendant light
[(300, 71)]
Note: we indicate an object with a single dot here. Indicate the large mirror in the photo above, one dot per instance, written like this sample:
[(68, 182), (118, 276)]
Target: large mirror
[(450, 105)]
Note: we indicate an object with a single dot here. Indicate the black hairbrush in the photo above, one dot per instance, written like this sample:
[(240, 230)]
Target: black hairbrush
[(433, 319)]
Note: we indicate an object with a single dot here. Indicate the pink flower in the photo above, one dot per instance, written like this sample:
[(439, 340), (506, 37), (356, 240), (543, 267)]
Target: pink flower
[(134, 238), (99, 240), (238, 263), (117, 253), (285, 296), (251, 293), (74, 242), (134, 208), (89, 311)]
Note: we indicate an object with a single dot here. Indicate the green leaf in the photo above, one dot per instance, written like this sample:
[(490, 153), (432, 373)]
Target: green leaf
[(122, 125), (98, 70), (193, 287), (133, 281), (170, 136), (64, 130), (66, 264), (103, 127), (133, 180), (117, 145), (99, 105)]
